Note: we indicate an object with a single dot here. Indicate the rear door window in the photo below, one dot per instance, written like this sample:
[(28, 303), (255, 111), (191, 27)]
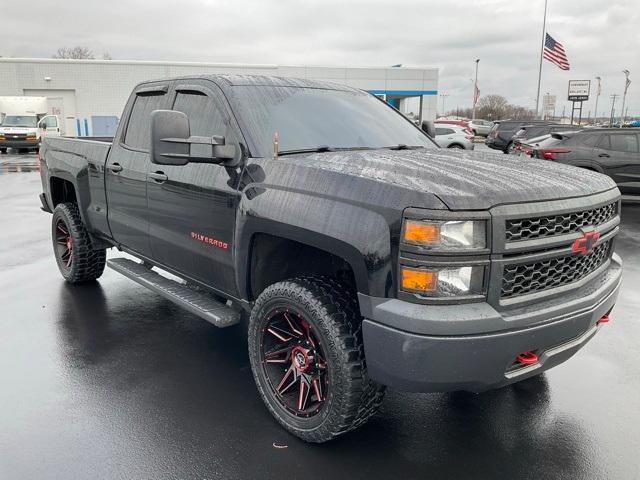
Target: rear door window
[(138, 134), (626, 143), (444, 131)]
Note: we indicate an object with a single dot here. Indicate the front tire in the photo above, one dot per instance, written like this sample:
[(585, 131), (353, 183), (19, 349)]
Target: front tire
[(307, 358), (456, 145), (77, 260)]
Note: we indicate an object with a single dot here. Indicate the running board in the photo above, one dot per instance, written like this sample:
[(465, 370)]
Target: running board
[(199, 303)]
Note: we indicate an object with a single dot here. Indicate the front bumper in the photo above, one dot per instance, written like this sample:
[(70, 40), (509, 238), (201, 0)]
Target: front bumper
[(437, 348), (18, 143)]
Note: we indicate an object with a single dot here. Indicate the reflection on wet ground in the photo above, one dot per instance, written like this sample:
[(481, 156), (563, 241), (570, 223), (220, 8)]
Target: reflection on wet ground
[(19, 163)]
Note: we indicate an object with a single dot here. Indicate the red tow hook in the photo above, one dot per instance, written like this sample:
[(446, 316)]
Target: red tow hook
[(527, 358), (604, 319)]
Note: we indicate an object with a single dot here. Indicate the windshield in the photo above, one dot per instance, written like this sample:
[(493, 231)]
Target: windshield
[(318, 119), (19, 121)]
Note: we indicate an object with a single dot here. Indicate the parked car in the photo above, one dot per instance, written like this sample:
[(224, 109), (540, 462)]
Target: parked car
[(461, 123), (362, 255), (528, 132), (480, 128), (502, 132), (612, 151), (453, 136)]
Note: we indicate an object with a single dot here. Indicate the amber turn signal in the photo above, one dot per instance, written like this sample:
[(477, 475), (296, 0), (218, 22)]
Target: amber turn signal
[(420, 281), (421, 233)]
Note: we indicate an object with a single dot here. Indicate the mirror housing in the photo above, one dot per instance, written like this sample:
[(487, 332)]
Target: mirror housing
[(171, 141), (429, 128)]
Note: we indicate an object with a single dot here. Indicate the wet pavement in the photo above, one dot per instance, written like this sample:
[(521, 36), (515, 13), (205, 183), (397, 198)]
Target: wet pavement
[(111, 381)]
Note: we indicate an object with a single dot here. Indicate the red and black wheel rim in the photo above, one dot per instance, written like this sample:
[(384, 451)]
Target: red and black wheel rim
[(64, 244), (294, 363)]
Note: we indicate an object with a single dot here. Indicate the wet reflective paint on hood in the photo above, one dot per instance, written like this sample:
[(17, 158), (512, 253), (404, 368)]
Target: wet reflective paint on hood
[(463, 180)]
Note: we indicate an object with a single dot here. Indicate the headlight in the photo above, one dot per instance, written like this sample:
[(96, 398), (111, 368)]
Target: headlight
[(443, 282), (446, 235)]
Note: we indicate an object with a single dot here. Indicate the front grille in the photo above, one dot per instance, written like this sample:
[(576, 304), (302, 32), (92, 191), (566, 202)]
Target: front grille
[(540, 227), (521, 279), (15, 136)]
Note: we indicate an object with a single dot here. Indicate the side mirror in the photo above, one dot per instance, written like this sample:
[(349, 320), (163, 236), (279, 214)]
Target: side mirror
[(171, 141), (429, 128)]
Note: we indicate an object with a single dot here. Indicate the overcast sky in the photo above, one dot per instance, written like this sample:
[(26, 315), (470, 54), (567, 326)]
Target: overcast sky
[(601, 37)]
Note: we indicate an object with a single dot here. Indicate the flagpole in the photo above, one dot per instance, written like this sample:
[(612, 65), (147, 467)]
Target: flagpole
[(544, 31)]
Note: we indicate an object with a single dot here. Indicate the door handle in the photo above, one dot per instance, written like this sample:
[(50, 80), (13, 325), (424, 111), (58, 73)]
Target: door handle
[(605, 155), (114, 167), (159, 177)]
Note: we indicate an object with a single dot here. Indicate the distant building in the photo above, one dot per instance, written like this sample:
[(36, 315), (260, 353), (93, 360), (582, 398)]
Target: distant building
[(90, 94)]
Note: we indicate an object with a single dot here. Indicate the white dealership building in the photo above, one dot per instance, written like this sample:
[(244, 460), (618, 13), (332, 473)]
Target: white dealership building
[(90, 94)]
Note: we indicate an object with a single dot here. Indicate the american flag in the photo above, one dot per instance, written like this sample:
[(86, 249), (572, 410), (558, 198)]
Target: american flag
[(554, 52), (476, 94)]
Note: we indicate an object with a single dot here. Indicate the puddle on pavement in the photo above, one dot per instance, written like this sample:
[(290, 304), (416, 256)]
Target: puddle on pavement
[(17, 168)]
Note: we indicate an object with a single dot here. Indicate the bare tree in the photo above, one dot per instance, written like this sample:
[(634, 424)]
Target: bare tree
[(495, 107), (492, 107), (79, 52), (107, 56)]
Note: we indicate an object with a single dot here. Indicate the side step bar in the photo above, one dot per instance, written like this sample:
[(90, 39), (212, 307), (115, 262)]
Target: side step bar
[(199, 303)]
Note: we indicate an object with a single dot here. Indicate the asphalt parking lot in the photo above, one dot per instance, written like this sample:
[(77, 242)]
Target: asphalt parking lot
[(109, 380)]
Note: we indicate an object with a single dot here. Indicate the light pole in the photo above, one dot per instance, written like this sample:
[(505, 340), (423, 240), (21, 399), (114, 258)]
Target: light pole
[(624, 95), (598, 90), (443, 96), (613, 104), (475, 91)]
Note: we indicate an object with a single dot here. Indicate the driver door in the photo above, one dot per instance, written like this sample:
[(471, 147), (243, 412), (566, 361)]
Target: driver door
[(192, 207)]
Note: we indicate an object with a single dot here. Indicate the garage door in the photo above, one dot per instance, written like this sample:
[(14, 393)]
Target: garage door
[(61, 103)]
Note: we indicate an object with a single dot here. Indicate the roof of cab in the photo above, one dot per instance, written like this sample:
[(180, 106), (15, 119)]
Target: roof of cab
[(224, 80)]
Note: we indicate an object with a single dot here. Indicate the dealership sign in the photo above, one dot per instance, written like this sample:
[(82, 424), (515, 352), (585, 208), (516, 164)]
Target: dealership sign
[(549, 103), (579, 90)]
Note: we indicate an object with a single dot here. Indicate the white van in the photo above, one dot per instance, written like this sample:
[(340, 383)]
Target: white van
[(25, 122)]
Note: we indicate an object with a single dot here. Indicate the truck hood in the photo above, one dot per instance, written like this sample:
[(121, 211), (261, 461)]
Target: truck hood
[(464, 180)]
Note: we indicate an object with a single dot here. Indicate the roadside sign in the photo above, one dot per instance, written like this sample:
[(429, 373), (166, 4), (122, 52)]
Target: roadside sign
[(579, 90), (549, 103)]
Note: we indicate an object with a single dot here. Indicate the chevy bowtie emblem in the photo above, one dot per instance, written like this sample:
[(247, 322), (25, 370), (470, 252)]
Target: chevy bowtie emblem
[(585, 243)]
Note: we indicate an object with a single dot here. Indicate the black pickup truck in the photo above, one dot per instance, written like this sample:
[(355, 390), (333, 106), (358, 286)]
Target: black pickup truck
[(361, 254)]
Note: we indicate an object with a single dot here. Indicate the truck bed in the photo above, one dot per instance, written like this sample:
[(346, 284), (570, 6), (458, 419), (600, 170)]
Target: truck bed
[(81, 161)]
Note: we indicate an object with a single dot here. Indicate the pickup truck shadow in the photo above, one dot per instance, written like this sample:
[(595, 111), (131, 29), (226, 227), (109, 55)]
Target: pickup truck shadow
[(159, 373)]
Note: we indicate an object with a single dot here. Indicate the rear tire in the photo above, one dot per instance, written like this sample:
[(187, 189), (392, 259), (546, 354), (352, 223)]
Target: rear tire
[(455, 145), (508, 149), (318, 339), (77, 260)]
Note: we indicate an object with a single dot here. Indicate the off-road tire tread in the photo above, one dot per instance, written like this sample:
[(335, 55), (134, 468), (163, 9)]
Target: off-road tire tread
[(360, 397), (88, 262)]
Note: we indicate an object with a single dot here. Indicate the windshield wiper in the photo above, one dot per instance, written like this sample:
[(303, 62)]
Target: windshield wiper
[(319, 149), (402, 146)]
